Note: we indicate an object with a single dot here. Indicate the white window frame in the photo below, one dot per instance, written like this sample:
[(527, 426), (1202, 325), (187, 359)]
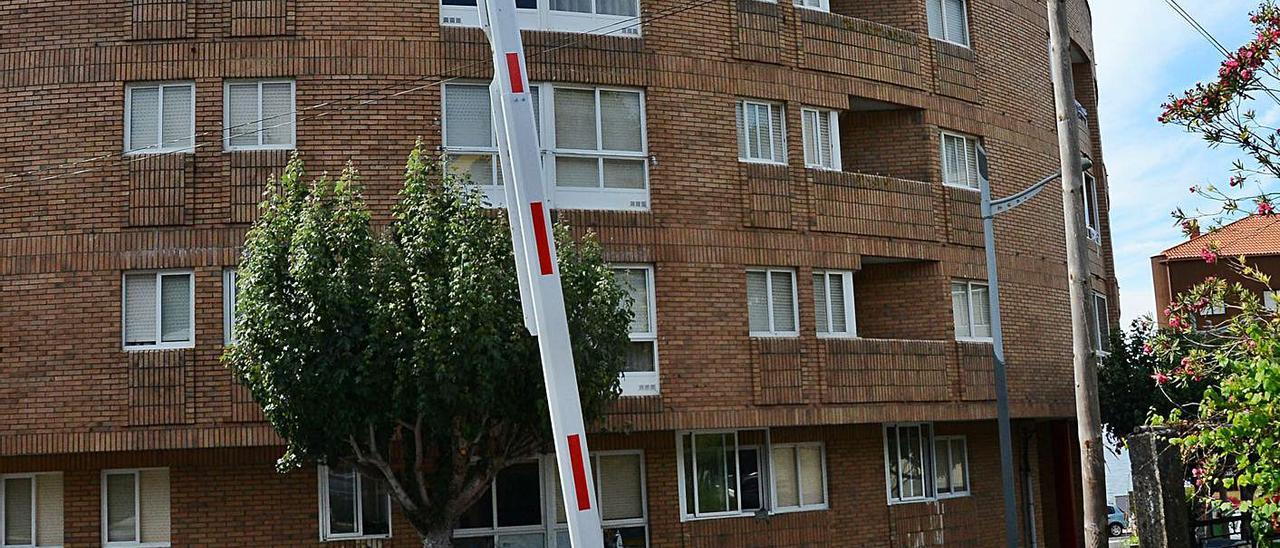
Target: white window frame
[(946, 34), (159, 344), (970, 148), (358, 497), (263, 125), (4, 509), (742, 105), (128, 117), (810, 139), (691, 514), (137, 509), (773, 331), (1101, 328), (969, 287), (494, 194), (951, 462), (1092, 215), (926, 463), (545, 18), (1270, 300), (230, 294), (773, 486), (644, 383), (816, 5), (851, 315), (597, 198)]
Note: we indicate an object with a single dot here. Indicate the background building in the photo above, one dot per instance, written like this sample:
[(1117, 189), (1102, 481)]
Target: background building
[(790, 189), (1181, 267)]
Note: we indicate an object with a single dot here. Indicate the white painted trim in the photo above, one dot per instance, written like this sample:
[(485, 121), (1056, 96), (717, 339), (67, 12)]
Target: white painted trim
[(773, 488), (159, 147), (946, 36), (632, 381), (160, 344), (851, 314), (970, 147), (685, 514), (322, 477), (35, 504), (926, 463), (137, 509), (263, 124), (230, 294), (833, 122), (969, 286), (968, 488), (743, 135), (823, 5), (545, 18)]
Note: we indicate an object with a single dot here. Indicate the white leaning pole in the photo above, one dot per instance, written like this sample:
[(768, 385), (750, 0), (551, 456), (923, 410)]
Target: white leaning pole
[(541, 295)]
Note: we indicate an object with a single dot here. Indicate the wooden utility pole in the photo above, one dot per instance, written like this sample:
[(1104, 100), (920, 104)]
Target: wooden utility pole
[(1088, 415)]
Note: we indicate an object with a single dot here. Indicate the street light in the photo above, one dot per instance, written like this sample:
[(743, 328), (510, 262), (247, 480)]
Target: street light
[(991, 208)]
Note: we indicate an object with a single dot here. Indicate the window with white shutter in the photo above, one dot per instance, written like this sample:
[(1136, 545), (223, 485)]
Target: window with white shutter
[(135, 507), (1101, 324), (640, 373), (821, 130), (31, 510), (960, 160), (593, 140), (799, 477), (159, 309), (259, 115), (761, 132), (610, 17), (771, 303), (353, 505), (948, 21), (833, 303), (159, 117), (971, 310), (820, 5)]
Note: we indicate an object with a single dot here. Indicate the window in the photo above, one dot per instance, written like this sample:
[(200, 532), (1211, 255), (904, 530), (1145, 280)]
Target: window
[(820, 5), (821, 130), (353, 505), (259, 115), (159, 117), (771, 303), (959, 161), (523, 506), (159, 309), (710, 482), (833, 300), (640, 374), (948, 21), (1101, 324), (761, 133), (951, 466), (911, 452), (612, 17), (1092, 225), (799, 477), (230, 293), (597, 158), (135, 507), (1269, 300), (31, 510), (971, 309)]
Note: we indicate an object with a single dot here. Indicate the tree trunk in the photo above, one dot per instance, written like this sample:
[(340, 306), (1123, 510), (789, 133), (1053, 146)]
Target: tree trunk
[(438, 538)]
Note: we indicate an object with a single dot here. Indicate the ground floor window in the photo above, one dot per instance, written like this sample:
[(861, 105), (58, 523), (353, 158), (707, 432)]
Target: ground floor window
[(523, 507), (735, 473), (353, 505), (31, 509), (920, 466), (135, 507)]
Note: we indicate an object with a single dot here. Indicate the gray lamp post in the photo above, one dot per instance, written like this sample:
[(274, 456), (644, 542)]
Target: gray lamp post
[(991, 208)]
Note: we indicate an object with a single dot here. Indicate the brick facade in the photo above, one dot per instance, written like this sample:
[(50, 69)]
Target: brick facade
[(76, 214)]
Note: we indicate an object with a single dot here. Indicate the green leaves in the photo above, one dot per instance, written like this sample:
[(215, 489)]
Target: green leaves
[(353, 339)]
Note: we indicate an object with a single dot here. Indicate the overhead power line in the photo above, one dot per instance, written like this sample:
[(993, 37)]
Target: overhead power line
[(324, 108), (1191, 20)]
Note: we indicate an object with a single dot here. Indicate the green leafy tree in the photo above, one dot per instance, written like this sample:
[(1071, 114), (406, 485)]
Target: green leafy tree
[(403, 352), (1126, 388)]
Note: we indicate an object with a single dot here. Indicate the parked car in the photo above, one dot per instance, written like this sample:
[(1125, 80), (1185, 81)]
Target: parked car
[(1116, 521)]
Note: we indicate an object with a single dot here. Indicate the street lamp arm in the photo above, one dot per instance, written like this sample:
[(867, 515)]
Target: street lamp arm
[(1009, 202)]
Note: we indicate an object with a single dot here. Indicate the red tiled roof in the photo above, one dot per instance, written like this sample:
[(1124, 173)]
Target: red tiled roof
[(1252, 235)]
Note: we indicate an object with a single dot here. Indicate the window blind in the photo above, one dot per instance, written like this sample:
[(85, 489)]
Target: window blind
[(636, 282), (154, 503), (18, 507), (277, 113), (242, 114), (618, 7), (575, 119), (742, 130), (620, 121), (573, 171), (811, 472), (956, 22), (758, 300), (579, 6), (934, 10), (49, 518), (177, 126), (621, 491), (981, 305), (140, 308), (823, 303), (468, 121), (623, 173), (122, 519), (784, 317), (144, 118), (785, 484), (960, 308), (175, 308), (835, 295)]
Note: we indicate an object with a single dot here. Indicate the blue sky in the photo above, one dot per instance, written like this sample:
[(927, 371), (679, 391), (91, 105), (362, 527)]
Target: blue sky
[(1144, 52)]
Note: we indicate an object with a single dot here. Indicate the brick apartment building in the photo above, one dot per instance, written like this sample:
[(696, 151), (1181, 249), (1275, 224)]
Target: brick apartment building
[(789, 190), (1181, 267)]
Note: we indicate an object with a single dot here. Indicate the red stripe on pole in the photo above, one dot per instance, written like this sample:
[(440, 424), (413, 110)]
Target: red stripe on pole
[(513, 72), (579, 473), (540, 235)]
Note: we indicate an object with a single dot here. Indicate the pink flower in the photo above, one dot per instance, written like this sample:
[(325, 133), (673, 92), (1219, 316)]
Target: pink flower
[(1148, 349), (1160, 378), (1208, 255), (1265, 208), (1236, 181)]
